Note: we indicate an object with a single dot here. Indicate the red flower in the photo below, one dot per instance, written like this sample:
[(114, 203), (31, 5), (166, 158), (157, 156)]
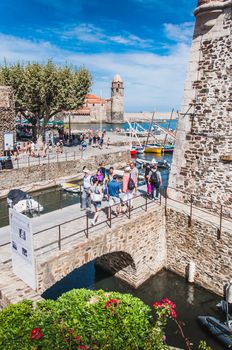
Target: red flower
[(173, 313), (77, 338), (166, 303), (112, 302), (83, 347), (36, 334)]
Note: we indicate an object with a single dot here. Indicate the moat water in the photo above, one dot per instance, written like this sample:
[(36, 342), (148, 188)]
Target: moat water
[(191, 300)]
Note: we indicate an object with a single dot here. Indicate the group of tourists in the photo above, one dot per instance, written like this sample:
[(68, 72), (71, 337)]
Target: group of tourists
[(105, 185)]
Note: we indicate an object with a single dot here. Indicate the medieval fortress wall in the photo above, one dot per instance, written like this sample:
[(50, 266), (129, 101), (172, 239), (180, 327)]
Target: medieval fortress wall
[(202, 161)]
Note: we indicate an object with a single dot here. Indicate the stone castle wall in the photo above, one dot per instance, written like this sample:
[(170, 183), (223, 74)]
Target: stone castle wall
[(7, 113), (30, 176), (199, 244), (202, 159)]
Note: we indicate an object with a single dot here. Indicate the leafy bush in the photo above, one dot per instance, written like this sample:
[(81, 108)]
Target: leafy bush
[(80, 319), (88, 320)]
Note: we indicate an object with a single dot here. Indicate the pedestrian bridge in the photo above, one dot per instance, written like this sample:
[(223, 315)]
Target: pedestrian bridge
[(133, 246)]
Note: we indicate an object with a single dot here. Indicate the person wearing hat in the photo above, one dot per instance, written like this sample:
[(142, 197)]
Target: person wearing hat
[(86, 199)]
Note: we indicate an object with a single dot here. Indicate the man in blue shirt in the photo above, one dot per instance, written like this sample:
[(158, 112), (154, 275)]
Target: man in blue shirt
[(114, 188)]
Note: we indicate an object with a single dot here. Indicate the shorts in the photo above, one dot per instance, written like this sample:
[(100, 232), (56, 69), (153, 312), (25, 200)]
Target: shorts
[(114, 200), (97, 205)]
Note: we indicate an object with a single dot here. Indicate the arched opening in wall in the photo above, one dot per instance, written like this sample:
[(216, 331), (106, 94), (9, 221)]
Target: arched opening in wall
[(97, 274)]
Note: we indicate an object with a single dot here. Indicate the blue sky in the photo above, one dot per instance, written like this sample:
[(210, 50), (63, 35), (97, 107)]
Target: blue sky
[(146, 41)]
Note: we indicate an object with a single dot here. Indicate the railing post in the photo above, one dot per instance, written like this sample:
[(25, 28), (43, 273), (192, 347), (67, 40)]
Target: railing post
[(146, 202), (17, 163), (87, 225), (74, 156), (38, 206), (66, 156), (48, 159), (191, 211), (129, 209), (166, 201), (28, 161), (110, 217), (59, 240), (61, 201), (219, 231)]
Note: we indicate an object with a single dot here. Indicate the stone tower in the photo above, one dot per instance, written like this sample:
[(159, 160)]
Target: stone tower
[(117, 100), (202, 162)]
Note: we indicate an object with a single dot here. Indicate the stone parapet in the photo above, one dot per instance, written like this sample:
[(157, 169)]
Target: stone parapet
[(36, 174)]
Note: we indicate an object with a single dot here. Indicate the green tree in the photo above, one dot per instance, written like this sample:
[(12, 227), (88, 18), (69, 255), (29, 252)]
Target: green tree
[(44, 90)]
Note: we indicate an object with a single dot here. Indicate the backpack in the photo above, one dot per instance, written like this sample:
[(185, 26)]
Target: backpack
[(154, 178), (131, 184)]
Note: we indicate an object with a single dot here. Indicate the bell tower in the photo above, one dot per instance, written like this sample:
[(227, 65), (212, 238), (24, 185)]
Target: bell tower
[(117, 100), (202, 161)]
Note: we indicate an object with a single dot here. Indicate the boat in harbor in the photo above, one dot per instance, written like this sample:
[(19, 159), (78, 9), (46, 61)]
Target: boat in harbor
[(221, 330), (152, 148), (163, 164), (22, 202), (140, 150), (71, 187)]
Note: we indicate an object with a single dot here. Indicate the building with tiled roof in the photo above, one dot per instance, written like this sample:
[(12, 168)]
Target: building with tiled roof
[(96, 108)]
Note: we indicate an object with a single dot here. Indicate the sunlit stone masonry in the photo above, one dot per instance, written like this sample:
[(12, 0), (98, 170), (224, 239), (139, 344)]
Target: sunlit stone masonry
[(202, 161)]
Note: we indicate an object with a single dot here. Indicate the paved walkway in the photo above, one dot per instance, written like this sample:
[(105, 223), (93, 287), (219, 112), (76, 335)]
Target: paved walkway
[(47, 240)]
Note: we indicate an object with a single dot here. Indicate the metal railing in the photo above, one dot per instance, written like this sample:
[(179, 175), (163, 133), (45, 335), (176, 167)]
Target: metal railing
[(87, 227), (220, 211), (54, 157), (222, 216)]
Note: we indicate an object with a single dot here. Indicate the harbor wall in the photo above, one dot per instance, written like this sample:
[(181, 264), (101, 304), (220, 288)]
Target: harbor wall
[(38, 176), (199, 244)]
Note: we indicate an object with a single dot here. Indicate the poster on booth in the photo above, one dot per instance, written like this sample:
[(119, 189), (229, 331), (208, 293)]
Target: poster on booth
[(22, 248), (8, 141)]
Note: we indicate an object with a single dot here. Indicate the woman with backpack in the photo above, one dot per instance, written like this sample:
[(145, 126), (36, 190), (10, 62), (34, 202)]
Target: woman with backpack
[(155, 179), (96, 196)]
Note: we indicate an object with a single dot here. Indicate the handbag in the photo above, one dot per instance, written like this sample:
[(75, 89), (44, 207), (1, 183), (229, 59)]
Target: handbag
[(96, 197)]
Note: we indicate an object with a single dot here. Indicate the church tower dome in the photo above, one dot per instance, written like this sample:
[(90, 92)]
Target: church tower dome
[(117, 98)]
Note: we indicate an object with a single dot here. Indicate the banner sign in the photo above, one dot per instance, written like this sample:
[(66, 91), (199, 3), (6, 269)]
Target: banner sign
[(8, 141), (23, 261)]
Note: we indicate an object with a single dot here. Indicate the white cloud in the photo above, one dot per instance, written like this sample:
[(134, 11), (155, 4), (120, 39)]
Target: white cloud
[(87, 32), (179, 32), (151, 80)]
